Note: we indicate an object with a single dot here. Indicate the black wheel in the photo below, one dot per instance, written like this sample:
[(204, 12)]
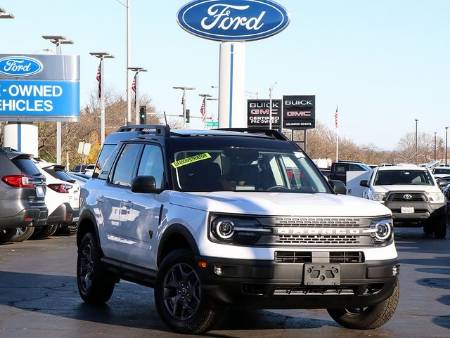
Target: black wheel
[(6, 235), (179, 297), (95, 284), (367, 318), (440, 228), (23, 233), (45, 232)]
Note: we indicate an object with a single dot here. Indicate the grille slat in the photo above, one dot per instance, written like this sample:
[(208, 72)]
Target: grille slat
[(336, 257)]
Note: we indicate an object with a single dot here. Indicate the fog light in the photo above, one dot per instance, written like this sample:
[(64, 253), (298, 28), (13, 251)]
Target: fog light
[(218, 270), (395, 270)]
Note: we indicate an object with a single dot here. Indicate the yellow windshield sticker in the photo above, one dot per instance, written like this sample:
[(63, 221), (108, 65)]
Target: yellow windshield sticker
[(189, 160)]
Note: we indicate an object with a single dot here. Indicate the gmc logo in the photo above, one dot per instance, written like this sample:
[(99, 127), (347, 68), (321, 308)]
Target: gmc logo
[(299, 114)]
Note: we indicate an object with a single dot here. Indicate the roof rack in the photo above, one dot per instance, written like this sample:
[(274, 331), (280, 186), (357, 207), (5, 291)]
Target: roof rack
[(268, 132), (157, 129)]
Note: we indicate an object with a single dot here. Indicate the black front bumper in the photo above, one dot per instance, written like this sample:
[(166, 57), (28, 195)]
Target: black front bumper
[(422, 210), (265, 284)]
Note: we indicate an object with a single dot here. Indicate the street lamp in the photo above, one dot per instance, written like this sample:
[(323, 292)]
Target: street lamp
[(183, 102), (5, 15), (435, 146), (101, 93), (136, 71), (58, 40), (446, 146), (270, 100), (417, 146)]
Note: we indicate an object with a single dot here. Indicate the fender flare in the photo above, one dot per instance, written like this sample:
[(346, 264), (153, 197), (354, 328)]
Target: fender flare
[(177, 229)]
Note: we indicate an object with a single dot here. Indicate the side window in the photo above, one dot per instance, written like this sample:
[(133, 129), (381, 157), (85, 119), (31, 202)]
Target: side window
[(341, 168), (124, 172), (355, 167), (152, 164), (105, 162)]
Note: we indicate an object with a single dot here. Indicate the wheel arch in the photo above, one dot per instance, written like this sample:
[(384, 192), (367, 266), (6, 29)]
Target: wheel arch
[(87, 223), (176, 236)]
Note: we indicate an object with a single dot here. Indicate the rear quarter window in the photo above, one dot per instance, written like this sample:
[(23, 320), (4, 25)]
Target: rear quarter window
[(26, 166)]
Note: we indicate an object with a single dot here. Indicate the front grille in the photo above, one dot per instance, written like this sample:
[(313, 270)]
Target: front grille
[(317, 222), (319, 239), (302, 257), (406, 197)]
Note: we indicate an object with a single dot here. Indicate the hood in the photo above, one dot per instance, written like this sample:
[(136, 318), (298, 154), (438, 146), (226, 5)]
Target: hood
[(405, 188), (280, 204)]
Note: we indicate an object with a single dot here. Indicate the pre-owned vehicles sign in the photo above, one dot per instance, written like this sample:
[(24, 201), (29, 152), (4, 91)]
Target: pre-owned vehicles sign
[(39, 88), (233, 20), (258, 112), (299, 111)]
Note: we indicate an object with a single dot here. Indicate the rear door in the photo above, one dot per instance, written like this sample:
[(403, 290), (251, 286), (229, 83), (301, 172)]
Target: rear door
[(116, 204)]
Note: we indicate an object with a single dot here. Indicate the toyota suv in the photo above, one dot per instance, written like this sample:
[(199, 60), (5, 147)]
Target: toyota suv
[(413, 196), (222, 218)]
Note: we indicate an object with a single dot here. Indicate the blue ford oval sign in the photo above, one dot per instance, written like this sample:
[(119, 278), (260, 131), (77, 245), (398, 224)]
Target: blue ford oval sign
[(233, 20), (20, 66)]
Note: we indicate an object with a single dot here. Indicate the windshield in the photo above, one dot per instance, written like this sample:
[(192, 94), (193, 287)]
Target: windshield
[(442, 171), (245, 169), (403, 177)]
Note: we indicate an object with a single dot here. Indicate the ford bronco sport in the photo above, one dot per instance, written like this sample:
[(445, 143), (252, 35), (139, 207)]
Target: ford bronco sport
[(221, 218)]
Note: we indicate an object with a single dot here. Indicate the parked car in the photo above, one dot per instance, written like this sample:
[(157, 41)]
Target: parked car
[(412, 194), (339, 169), (62, 199), (81, 179), (231, 217), (22, 196), (86, 169)]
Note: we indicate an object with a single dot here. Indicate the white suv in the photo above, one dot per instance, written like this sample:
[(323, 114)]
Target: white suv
[(412, 194), (231, 217)]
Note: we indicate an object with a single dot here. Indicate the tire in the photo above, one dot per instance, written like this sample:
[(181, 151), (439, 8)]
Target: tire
[(45, 232), (23, 233), (440, 228), (6, 235), (95, 284), (368, 318), (178, 276)]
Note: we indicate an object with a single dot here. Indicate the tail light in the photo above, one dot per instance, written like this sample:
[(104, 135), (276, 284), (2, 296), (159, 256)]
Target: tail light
[(61, 188), (18, 181)]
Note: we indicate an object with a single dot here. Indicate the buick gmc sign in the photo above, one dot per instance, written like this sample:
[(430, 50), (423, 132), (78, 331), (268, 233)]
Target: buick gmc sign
[(20, 66), (233, 20), (299, 112)]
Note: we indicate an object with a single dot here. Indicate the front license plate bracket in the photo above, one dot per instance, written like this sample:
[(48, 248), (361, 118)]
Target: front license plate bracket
[(322, 274)]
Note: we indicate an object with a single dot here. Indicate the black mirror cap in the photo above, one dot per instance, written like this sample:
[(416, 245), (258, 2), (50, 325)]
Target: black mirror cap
[(338, 187), (364, 183), (144, 185)]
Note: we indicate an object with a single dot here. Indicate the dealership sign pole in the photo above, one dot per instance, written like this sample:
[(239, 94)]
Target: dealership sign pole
[(233, 22)]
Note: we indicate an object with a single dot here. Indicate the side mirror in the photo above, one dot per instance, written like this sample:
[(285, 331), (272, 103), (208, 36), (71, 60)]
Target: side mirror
[(364, 183), (338, 187), (144, 185)]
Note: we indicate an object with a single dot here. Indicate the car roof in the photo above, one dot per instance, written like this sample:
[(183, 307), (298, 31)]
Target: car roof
[(402, 167)]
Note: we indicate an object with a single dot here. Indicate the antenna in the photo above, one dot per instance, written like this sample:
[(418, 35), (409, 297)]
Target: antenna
[(165, 119)]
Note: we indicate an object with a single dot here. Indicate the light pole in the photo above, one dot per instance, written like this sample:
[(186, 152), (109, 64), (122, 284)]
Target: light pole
[(417, 144), (446, 146), (435, 146), (136, 71), (101, 94), (5, 14), (270, 104), (183, 102), (58, 40)]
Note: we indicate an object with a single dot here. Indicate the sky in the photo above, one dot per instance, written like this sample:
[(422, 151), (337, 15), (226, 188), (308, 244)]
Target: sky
[(384, 63)]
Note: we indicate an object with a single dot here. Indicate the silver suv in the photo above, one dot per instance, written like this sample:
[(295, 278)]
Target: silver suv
[(221, 218)]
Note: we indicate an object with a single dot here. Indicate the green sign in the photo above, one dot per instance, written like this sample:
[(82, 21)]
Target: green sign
[(213, 124)]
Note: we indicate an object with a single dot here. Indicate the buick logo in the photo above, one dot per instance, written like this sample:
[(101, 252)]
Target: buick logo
[(407, 197), (20, 66), (233, 20)]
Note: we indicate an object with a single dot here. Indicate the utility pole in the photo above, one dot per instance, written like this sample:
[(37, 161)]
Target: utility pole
[(128, 61), (446, 146), (417, 144), (101, 94), (435, 146), (183, 102), (58, 40), (270, 104), (136, 71)]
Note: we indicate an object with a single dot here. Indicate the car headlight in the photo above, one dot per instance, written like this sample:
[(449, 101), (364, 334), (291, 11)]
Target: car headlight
[(436, 197), (382, 230), (378, 196), (235, 229)]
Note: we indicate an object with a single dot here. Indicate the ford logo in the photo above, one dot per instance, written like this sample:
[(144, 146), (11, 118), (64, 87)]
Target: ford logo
[(233, 20), (20, 66)]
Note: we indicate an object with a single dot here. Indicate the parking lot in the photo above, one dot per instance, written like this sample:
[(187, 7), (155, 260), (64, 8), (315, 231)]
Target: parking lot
[(39, 298)]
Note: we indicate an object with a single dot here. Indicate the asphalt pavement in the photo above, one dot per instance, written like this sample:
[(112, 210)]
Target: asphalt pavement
[(39, 298)]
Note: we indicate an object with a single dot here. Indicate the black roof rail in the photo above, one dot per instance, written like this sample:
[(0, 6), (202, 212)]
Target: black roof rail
[(268, 132), (157, 129)]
